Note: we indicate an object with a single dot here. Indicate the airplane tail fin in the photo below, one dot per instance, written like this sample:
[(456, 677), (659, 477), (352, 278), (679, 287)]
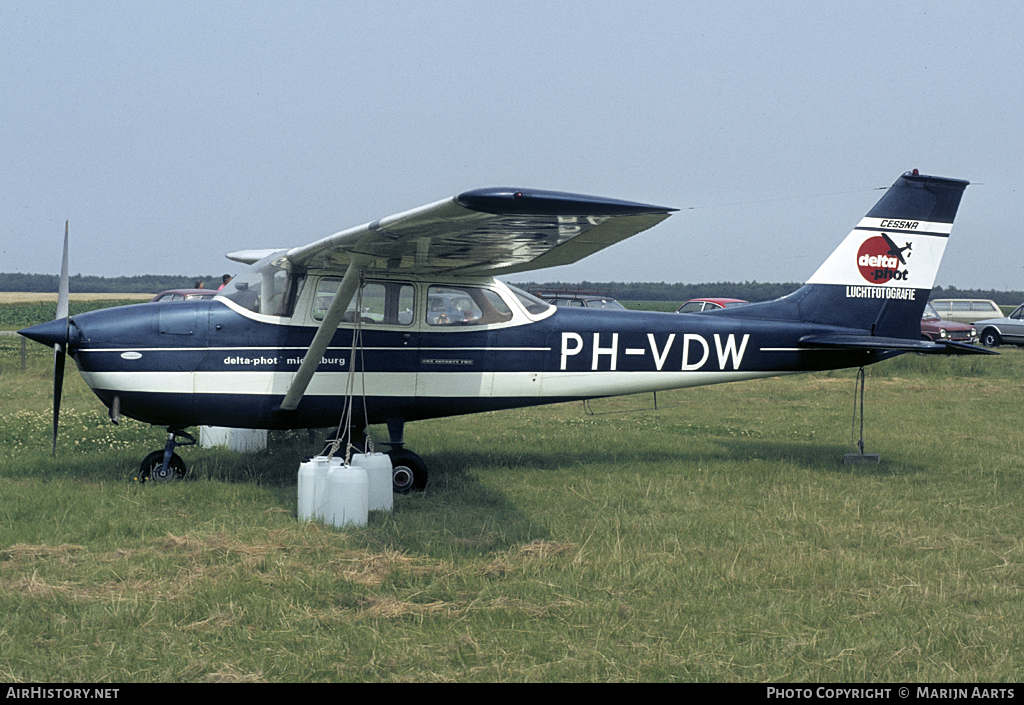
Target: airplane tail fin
[(878, 280), (880, 277)]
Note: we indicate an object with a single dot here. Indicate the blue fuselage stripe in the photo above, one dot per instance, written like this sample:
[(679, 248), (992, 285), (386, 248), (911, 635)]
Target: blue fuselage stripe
[(229, 366)]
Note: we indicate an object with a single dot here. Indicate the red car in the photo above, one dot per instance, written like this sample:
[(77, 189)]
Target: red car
[(934, 328), (697, 305)]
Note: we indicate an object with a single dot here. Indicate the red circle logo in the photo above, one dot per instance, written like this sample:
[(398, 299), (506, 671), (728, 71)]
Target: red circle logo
[(877, 263)]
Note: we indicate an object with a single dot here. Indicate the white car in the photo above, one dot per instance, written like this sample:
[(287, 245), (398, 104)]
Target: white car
[(966, 310), (1008, 329)]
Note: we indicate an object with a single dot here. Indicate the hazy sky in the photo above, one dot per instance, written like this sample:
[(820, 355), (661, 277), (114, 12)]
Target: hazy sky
[(171, 133)]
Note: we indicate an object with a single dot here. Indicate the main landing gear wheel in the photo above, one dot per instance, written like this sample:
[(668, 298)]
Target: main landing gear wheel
[(408, 471), (152, 468)]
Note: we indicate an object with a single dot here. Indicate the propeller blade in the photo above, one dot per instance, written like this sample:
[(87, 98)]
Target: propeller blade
[(62, 291), (58, 385), (60, 350)]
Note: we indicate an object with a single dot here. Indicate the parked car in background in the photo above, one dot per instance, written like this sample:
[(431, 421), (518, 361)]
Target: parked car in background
[(966, 310), (933, 328), (184, 295), (698, 305), (578, 299), (1008, 329)]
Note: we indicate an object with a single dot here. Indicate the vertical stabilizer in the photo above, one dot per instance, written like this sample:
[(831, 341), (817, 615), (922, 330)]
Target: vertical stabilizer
[(880, 276)]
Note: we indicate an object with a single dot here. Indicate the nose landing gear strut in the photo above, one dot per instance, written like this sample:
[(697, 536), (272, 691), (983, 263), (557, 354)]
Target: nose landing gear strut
[(166, 465)]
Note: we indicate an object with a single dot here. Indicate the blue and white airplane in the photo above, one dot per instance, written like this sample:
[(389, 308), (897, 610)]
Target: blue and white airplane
[(409, 305)]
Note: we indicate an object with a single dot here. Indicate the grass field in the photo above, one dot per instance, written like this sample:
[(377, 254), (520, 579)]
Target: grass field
[(717, 538)]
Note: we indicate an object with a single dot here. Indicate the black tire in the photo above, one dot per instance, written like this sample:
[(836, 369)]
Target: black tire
[(153, 463), (408, 471), (990, 338)]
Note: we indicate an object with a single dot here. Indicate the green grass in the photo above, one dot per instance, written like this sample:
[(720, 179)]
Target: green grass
[(717, 538), (665, 306), (15, 316)]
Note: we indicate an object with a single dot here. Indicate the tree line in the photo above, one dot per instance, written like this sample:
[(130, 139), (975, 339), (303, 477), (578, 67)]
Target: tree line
[(627, 291), (141, 284)]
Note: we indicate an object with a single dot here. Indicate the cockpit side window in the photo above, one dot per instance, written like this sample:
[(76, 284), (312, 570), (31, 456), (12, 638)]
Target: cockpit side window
[(465, 306), (388, 303)]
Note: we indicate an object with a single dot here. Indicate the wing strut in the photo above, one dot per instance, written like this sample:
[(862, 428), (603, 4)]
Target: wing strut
[(324, 333)]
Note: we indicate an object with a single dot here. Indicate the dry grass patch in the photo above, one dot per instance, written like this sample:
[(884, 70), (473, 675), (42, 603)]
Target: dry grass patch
[(371, 569), (20, 552), (542, 549), (365, 568), (219, 543), (392, 607), (33, 586), (25, 297), (533, 551), (231, 675)]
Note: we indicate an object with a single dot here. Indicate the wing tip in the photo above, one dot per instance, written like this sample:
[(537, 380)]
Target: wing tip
[(250, 256)]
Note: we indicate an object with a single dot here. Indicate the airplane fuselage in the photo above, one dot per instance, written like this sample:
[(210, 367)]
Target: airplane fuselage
[(213, 362)]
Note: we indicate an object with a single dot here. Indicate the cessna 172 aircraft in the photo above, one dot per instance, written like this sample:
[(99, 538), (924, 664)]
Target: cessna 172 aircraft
[(437, 335)]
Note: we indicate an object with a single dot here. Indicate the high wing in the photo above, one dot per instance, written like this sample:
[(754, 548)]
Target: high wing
[(483, 232)]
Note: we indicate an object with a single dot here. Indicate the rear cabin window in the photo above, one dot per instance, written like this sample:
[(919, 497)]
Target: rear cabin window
[(387, 303)]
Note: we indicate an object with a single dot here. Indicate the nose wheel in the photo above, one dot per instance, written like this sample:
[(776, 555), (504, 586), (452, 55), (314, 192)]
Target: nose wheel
[(166, 465), (153, 468)]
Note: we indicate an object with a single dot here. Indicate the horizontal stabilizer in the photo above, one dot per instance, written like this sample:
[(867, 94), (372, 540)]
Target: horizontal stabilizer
[(872, 342), (954, 347)]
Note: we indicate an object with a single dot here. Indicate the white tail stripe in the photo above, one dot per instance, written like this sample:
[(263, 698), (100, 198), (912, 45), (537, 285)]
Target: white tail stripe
[(921, 251), (899, 226)]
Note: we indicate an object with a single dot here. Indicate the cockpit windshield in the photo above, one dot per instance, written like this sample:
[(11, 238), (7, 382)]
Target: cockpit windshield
[(268, 287), (530, 302)]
